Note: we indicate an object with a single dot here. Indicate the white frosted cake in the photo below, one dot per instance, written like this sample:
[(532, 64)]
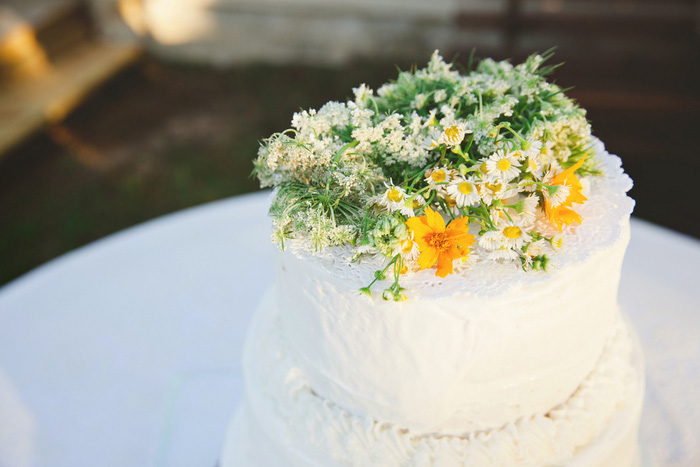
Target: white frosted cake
[(498, 362)]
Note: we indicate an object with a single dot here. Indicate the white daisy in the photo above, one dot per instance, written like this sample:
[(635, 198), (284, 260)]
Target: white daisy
[(547, 153), (409, 206), (527, 210), (557, 195), (534, 166), (451, 203), (490, 240), (497, 214), (536, 248), (491, 190), (453, 135), (514, 236), (518, 154), (394, 198), (557, 241), (463, 191), (409, 251), (502, 166), (415, 202), (510, 234), (531, 148), (438, 176)]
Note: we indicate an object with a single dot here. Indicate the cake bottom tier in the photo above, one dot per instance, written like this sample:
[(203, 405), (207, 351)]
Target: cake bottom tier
[(282, 422)]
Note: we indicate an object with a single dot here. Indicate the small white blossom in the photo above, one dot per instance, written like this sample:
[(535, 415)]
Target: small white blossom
[(558, 194), (411, 204), (419, 101), (493, 190), (362, 93), (394, 199), (511, 234), (557, 241), (452, 135), (537, 248), (535, 166), (408, 250), (502, 166), (438, 175), (531, 148), (529, 210), (463, 191), (440, 95)]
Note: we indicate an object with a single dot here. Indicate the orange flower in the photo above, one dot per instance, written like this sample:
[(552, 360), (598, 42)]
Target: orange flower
[(438, 243), (562, 213)]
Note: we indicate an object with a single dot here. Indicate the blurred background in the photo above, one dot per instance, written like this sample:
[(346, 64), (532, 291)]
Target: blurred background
[(113, 112)]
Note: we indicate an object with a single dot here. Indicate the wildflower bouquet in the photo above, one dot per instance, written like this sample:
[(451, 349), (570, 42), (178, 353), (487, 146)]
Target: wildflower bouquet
[(438, 169)]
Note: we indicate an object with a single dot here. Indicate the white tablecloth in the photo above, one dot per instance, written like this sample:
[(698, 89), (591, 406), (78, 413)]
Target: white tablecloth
[(126, 351)]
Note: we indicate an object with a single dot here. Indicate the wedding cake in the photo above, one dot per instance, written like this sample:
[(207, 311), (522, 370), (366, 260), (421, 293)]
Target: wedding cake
[(446, 290)]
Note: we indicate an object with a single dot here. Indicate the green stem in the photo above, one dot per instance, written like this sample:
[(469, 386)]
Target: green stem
[(469, 146), (339, 154), (487, 215), (507, 127), (445, 207), (381, 273)]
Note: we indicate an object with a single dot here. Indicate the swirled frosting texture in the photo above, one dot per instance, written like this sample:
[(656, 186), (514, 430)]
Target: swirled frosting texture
[(468, 353)]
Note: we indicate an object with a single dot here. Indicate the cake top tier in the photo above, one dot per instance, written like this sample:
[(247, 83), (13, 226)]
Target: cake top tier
[(606, 213), (440, 170)]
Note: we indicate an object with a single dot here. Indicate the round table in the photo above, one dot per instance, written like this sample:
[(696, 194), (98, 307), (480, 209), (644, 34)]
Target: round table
[(126, 351)]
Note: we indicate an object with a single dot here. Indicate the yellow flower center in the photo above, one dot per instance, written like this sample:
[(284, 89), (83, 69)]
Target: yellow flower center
[(450, 200), (407, 245), (465, 188), (439, 242), (503, 165), (416, 204), (394, 195), (452, 132), (512, 232), (494, 187), (531, 164), (438, 176), (483, 168)]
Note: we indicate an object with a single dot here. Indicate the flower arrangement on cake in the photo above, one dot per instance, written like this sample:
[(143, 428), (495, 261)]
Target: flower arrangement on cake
[(438, 169)]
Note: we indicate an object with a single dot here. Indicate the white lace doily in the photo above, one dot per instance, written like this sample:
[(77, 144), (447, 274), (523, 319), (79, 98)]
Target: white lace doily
[(605, 215)]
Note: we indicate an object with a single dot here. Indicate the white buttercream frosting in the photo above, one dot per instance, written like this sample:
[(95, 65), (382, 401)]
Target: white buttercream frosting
[(289, 424), (489, 366), (469, 352)]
